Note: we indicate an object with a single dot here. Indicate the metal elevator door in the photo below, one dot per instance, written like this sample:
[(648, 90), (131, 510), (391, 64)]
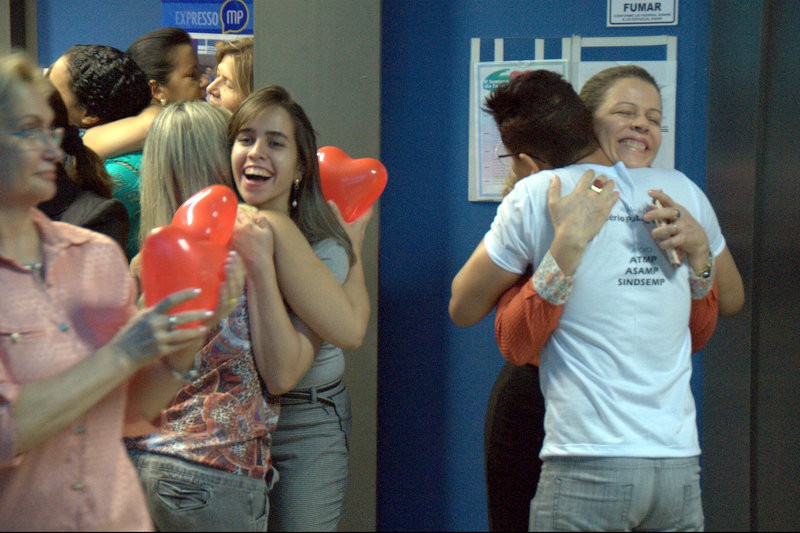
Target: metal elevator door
[(751, 367)]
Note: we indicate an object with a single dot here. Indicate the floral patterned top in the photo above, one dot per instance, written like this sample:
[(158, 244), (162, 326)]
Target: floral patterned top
[(220, 420)]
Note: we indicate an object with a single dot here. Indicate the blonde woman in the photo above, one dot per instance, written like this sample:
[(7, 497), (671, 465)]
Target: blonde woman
[(212, 443), (72, 345), (234, 79)]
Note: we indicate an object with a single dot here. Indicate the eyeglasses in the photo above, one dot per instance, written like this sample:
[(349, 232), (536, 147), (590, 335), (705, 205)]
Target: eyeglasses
[(46, 136), (501, 152)]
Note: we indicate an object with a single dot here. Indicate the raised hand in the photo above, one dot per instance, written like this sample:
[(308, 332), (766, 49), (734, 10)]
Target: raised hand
[(676, 228), (153, 333), (355, 229)]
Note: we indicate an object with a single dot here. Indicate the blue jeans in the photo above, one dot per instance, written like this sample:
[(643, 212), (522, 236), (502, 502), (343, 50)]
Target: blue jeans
[(309, 450), (186, 496), (618, 494)]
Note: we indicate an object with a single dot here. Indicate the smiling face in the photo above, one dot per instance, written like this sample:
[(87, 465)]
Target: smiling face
[(264, 160), (222, 91), (28, 158), (628, 122)]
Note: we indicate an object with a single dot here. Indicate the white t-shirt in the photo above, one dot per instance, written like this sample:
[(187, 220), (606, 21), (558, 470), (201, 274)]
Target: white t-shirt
[(615, 373)]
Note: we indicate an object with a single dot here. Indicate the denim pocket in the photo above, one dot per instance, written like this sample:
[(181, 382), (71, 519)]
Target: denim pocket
[(181, 496), (588, 505)]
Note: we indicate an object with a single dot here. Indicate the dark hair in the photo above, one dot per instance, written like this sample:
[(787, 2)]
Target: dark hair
[(107, 82), (154, 52), (311, 214), (538, 113), (82, 166), (595, 89)]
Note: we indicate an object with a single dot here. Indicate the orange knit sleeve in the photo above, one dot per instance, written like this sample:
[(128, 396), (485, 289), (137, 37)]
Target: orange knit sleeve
[(703, 318), (524, 322)]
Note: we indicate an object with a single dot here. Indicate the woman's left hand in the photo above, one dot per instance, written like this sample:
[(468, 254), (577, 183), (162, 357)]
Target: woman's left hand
[(679, 230), (356, 229)]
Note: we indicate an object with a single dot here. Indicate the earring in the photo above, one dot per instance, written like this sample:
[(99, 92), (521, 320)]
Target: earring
[(295, 191), (163, 102)]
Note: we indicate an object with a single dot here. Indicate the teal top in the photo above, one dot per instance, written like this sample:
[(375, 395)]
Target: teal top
[(124, 171)]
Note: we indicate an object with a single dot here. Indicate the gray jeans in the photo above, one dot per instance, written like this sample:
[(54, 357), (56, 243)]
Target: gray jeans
[(618, 494), (309, 449), (186, 496)]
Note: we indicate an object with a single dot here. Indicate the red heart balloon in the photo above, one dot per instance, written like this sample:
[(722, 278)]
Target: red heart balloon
[(353, 184), (208, 214), (173, 260)]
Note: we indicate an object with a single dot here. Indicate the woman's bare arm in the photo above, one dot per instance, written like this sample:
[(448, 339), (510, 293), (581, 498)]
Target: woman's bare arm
[(121, 136)]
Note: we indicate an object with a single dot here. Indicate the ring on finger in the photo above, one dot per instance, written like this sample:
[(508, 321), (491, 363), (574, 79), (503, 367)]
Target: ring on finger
[(675, 229), (677, 213), (597, 186), (171, 321)]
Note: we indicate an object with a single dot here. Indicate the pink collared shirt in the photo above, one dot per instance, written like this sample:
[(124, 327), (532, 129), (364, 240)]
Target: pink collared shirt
[(81, 478)]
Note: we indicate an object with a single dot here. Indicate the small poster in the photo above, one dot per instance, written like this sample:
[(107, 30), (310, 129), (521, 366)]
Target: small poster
[(209, 21), (489, 173)]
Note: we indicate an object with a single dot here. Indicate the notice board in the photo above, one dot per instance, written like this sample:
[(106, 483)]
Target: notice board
[(492, 61)]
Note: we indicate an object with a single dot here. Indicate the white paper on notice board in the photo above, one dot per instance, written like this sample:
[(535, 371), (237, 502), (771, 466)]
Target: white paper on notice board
[(491, 173)]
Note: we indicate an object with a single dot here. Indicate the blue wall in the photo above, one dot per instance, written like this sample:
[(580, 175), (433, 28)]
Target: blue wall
[(434, 378), (62, 23)]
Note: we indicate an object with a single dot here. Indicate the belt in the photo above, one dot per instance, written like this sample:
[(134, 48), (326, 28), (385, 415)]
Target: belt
[(311, 394)]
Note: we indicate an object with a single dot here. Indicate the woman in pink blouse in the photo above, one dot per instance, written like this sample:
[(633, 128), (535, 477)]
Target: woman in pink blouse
[(76, 358)]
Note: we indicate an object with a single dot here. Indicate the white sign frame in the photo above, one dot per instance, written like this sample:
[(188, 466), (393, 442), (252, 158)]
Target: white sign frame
[(632, 13)]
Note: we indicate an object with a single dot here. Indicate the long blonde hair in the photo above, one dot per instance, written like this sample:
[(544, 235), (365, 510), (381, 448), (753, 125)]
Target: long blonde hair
[(185, 151)]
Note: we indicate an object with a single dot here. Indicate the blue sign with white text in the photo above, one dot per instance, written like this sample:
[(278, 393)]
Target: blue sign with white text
[(209, 16)]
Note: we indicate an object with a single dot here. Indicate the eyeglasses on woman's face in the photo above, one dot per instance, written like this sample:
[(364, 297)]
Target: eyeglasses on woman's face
[(506, 157), (44, 135)]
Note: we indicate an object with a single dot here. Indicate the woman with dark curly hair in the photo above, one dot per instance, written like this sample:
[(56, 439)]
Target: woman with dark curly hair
[(100, 85)]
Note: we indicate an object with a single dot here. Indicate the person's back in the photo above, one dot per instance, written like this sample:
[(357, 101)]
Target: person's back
[(100, 84), (124, 170)]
